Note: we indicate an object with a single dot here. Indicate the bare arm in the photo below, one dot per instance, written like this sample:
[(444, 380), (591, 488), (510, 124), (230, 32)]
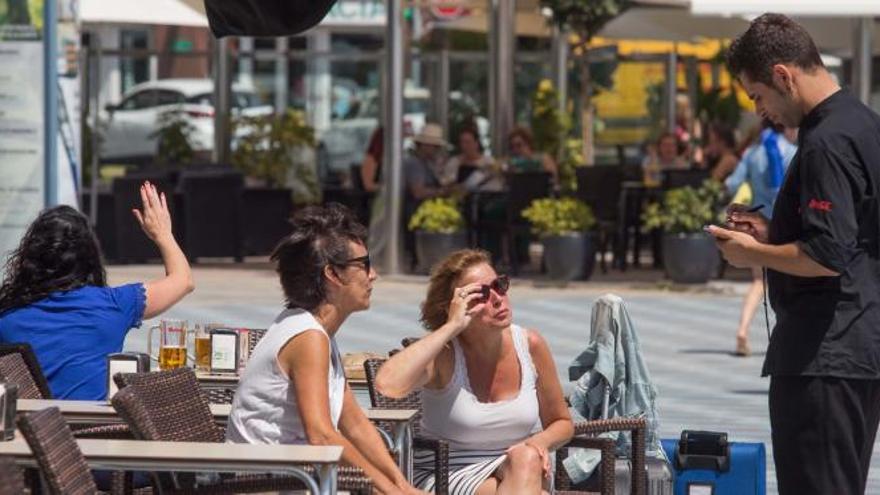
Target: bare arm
[(742, 250), (558, 428), (362, 434), (155, 220), (416, 365), (305, 359), (368, 173)]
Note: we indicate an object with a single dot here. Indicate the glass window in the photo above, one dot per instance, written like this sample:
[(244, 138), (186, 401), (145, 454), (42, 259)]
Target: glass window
[(134, 68), (140, 100), (240, 99), (168, 97)]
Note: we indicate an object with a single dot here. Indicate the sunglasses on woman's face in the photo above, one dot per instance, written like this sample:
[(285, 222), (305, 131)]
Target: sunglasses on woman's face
[(500, 285), (363, 260)]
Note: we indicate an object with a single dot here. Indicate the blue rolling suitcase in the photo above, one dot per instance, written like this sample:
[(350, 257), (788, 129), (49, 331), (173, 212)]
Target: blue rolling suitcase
[(706, 464)]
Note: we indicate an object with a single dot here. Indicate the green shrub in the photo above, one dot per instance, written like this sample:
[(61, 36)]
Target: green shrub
[(438, 215), (268, 148), (685, 210), (552, 216)]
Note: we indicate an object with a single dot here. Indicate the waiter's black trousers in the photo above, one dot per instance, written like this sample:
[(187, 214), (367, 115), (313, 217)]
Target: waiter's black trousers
[(823, 433)]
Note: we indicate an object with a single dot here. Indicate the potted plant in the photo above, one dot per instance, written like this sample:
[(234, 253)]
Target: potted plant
[(276, 154), (689, 254), (563, 225), (439, 228)]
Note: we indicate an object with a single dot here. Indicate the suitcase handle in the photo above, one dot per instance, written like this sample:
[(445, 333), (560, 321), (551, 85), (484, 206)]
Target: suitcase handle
[(703, 450)]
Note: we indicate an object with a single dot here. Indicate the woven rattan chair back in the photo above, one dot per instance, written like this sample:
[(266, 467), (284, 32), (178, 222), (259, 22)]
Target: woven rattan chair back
[(379, 401), (165, 405), (254, 337), (19, 365), (60, 460), (11, 477)]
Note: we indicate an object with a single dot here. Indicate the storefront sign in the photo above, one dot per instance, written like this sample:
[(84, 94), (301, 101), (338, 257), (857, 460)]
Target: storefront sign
[(21, 120), (356, 13)]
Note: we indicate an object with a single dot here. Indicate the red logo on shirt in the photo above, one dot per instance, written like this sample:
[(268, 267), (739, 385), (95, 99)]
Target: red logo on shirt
[(816, 204)]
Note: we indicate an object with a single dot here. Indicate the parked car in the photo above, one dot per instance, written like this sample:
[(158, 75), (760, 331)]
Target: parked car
[(345, 142), (129, 127)]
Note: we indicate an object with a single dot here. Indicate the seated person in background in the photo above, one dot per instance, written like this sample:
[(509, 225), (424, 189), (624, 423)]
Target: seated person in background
[(424, 169), (663, 156), (721, 150), (55, 295), (523, 157), (472, 168), (371, 166), (488, 386), (293, 389)]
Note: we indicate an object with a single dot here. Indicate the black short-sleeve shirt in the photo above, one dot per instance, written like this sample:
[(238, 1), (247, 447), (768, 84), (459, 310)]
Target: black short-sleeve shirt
[(828, 205)]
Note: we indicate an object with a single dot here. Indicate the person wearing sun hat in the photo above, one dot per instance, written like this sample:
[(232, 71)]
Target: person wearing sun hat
[(423, 170)]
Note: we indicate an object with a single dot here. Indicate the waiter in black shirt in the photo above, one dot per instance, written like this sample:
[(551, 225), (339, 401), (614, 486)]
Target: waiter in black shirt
[(820, 250)]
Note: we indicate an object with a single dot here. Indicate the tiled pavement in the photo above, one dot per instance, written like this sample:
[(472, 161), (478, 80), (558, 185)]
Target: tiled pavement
[(686, 336)]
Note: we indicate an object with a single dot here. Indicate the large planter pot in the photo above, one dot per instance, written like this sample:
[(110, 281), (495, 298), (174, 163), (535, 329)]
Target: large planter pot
[(432, 247), (690, 258), (565, 256)]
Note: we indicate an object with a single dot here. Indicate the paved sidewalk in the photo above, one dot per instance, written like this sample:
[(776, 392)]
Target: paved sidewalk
[(687, 334)]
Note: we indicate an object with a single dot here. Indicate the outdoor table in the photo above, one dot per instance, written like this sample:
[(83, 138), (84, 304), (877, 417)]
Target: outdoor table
[(140, 455), (224, 385), (78, 412)]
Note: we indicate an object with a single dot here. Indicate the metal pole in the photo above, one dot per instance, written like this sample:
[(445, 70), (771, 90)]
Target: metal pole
[(221, 101), (502, 46), (861, 64), (50, 95), (560, 65), (671, 86), (95, 49), (443, 87), (281, 75), (392, 187)]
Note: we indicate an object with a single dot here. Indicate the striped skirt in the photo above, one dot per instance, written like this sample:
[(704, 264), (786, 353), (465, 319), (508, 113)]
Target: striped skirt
[(467, 469)]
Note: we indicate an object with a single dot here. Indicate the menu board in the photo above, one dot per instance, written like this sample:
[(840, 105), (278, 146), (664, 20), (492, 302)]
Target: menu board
[(21, 119)]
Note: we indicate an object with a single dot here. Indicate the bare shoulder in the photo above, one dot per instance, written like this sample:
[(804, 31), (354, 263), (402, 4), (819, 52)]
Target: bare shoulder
[(536, 341)]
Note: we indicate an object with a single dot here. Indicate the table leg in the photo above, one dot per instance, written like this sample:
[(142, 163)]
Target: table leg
[(327, 479), (403, 445)]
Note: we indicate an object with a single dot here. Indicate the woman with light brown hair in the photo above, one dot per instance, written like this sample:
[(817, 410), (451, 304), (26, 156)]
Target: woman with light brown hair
[(488, 386)]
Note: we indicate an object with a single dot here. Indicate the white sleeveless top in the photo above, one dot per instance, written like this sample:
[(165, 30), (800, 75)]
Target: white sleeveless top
[(264, 409), (457, 416)]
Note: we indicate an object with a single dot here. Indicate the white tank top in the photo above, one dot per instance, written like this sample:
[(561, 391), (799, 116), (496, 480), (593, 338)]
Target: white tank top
[(264, 409), (457, 416)]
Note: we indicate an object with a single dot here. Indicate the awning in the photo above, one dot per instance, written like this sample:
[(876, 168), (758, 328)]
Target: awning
[(161, 12)]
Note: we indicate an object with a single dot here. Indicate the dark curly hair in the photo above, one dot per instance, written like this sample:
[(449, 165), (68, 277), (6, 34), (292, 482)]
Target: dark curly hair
[(59, 252), (772, 39), (320, 237)]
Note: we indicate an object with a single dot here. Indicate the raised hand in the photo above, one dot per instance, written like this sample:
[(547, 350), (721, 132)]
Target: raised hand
[(155, 219), (465, 302)]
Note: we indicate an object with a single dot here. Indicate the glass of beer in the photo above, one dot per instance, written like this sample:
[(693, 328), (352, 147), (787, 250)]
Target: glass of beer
[(203, 347), (172, 344)]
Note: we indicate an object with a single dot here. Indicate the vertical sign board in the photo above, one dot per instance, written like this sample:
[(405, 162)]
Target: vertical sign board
[(69, 123), (22, 165)]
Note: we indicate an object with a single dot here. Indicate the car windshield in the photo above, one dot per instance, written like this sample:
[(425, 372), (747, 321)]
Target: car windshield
[(240, 99)]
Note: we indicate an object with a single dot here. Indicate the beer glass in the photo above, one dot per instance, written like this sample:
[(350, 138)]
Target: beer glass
[(172, 344), (203, 346)]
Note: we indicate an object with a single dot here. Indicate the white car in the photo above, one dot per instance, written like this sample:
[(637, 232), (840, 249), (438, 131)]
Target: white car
[(346, 141), (128, 127)]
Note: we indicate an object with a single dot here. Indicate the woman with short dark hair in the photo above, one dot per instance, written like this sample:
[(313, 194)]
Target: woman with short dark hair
[(488, 386), (55, 296), (293, 389)]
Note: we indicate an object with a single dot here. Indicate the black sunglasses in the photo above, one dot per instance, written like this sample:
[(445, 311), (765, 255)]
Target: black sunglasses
[(500, 285), (364, 260)]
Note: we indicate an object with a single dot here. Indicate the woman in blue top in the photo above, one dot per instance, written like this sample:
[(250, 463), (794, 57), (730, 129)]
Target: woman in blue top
[(763, 166), (55, 297)]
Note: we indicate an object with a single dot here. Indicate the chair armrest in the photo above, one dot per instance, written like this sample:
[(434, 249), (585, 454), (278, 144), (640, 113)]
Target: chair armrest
[(441, 461), (116, 431), (637, 426)]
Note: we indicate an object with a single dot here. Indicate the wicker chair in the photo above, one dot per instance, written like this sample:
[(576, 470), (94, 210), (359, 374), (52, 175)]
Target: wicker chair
[(167, 405), (11, 478), (412, 401), (19, 365), (61, 462), (224, 395), (583, 431)]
